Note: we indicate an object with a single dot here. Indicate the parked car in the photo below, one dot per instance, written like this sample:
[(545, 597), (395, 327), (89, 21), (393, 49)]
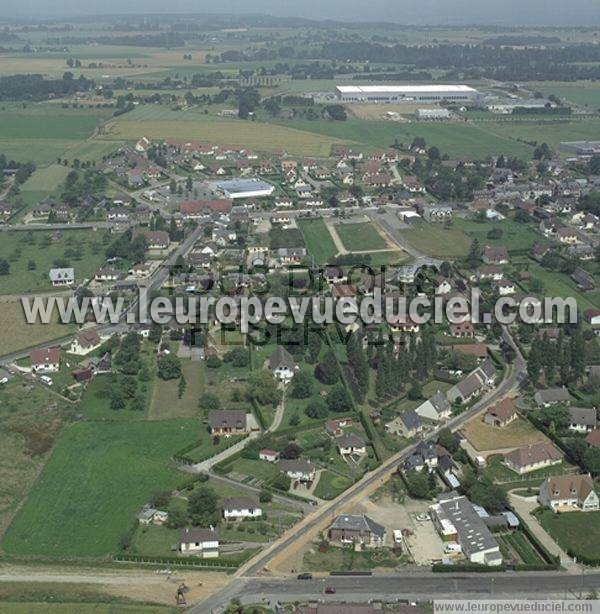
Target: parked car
[(423, 517), (305, 576), (330, 590)]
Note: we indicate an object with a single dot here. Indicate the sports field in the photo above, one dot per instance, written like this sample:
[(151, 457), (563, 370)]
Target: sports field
[(318, 240), (360, 237), (99, 475)]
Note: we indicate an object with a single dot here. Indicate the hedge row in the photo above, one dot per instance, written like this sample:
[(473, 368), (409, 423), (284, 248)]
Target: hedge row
[(441, 568), (183, 562)]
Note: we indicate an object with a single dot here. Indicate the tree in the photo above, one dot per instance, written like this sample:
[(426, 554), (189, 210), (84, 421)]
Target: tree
[(415, 392), (209, 401), (281, 482), (292, 451), (316, 409), (328, 371), (160, 499), (178, 518), (265, 496), (172, 186), (117, 400), (339, 399), (262, 388), (181, 386), (591, 461), (238, 357), (202, 507), (448, 440), (4, 267), (302, 384), (169, 367), (474, 255), (417, 483)]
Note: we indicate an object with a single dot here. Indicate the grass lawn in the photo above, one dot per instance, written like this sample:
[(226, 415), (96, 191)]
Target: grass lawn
[(99, 475), (517, 543), (438, 241), (318, 241), (558, 284), (330, 485), (360, 237), (16, 334), (253, 469), (166, 403), (586, 93), (483, 436), (32, 254), (576, 532), (515, 236), (346, 559), (46, 179), (498, 471), (27, 432)]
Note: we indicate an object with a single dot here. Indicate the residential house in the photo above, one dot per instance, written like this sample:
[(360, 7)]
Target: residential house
[(199, 542), (568, 493), (477, 350), (351, 444), (583, 279), (107, 274), (501, 414), (291, 255), (495, 254), (45, 360), (435, 408), (567, 235), (532, 457), (271, 456), (335, 427), (62, 277), (85, 342), (238, 508), (425, 455), (298, 469), (505, 287), (486, 272), (156, 239), (407, 425), (582, 419), (357, 529), (228, 422), (477, 382), (551, 396), (462, 330), (593, 438), (281, 364)]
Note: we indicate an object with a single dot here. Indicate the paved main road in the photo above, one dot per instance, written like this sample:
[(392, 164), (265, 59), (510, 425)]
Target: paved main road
[(405, 585)]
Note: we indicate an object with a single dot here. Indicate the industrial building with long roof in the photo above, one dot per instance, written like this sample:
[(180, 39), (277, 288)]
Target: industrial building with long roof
[(406, 93)]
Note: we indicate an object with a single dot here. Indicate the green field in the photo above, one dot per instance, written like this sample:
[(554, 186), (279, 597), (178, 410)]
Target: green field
[(453, 138), (161, 123), (438, 240), (515, 236), (81, 249), (330, 485), (318, 241), (46, 179), (97, 478), (360, 237), (586, 94), (578, 533)]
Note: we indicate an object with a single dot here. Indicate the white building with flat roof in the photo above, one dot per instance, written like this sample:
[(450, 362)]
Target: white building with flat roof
[(244, 188), (405, 93)]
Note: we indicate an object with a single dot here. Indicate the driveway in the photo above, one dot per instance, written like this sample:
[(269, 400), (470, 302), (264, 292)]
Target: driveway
[(524, 506)]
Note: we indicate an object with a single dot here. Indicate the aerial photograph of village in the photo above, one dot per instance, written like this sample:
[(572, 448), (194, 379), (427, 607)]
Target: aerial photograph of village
[(300, 306)]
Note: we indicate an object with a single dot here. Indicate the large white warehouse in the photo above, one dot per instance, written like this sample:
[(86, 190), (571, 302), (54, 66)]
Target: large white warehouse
[(405, 93)]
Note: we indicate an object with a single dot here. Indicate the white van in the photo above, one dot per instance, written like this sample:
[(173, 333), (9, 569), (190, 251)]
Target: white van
[(397, 536), (451, 548), (46, 380)]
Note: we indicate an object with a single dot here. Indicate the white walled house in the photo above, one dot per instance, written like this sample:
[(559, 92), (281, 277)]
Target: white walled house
[(281, 364), (236, 508), (199, 542), (45, 360), (569, 493)]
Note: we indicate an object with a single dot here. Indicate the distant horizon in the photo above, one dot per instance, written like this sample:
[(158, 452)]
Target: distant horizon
[(435, 13)]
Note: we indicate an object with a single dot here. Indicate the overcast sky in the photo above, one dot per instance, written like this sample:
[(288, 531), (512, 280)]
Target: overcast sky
[(513, 12)]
